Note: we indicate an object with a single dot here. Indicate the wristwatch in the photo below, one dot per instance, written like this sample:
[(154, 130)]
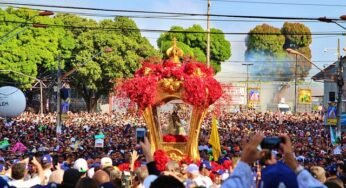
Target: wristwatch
[(299, 169)]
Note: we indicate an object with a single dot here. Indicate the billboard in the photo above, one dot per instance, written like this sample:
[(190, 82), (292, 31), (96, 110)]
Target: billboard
[(304, 96), (234, 95), (331, 114), (254, 95)]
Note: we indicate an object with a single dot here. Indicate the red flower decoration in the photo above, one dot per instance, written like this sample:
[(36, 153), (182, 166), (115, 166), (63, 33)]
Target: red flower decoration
[(140, 90), (195, 91), (161, 159), (199, 87), (214, 90), (190, 69), (124, 167), (174, 138)]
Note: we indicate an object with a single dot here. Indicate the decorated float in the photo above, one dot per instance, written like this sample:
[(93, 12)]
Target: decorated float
[(173, 96)]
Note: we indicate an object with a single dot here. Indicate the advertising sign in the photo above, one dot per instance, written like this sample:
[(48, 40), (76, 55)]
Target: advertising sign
[(254, 95), (99, 143), (99, 140), (304, 96), (331, 114), (236, 95)]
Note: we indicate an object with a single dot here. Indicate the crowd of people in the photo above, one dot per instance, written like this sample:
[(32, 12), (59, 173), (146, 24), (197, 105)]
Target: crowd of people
[(32, 153)]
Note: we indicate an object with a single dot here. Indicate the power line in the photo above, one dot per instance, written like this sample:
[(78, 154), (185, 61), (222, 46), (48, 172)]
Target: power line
[(170, 31), (168, 17), (238, 62), (164, 13), (281, 3)]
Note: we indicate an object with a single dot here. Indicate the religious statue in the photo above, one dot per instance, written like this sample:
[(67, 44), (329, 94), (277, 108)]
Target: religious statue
[(176, 124)]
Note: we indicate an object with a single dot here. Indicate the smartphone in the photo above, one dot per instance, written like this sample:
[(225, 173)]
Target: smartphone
[(140, 134), (271, 142)]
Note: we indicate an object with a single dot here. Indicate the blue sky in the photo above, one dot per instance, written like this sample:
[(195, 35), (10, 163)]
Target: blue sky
[(318, 45)]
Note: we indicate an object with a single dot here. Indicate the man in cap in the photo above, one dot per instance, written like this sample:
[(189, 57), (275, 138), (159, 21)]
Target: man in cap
[(204, 169), (46, 162), (105, 162), (194, 178), (82, 166), (218, 179)]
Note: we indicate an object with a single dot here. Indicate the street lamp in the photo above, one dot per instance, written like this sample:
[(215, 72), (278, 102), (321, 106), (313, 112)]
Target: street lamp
[(330, 20), (38, 80), (61, 77), (291, 51), (43, 13), (247, 81)]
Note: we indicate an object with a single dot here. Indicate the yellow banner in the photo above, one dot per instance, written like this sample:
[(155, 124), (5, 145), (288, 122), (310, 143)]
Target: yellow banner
[(304, 96)]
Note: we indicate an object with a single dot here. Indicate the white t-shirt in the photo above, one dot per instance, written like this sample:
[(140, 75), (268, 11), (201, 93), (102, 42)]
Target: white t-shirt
[(199, 181), (25, 184), (207, 181), (47, 173)]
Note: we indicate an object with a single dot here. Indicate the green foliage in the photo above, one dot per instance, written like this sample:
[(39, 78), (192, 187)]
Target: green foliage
[(30, 50), (129, 48), (300, 43), (268, 44), (35, 51), (269, 51), (292, 33), (193, 41)]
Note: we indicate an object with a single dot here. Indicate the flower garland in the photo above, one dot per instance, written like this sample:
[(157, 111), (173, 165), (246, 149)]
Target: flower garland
[(161, 159), (174, 138), (199, 88)]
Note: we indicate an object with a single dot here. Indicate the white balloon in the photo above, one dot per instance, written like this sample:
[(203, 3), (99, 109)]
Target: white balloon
[(12, 101)]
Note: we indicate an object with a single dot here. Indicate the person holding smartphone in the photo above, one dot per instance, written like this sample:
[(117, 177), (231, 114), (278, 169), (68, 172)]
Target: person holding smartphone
[(241, 176), (19, 171)]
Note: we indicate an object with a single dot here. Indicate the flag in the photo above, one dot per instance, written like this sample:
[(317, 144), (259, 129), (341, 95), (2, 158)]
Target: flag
[(332, 135), (214, 139)]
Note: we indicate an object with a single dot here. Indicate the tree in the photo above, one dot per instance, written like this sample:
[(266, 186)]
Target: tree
[(193, 41), (95, 77), (33, 51), (267, 51), (298, 37), (265, 39)]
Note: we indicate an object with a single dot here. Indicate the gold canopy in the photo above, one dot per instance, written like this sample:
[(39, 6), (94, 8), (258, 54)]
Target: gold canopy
[(169, 89)]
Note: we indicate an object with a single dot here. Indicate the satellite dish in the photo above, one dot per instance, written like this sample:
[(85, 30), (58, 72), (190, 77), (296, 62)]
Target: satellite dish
[(12, 101)]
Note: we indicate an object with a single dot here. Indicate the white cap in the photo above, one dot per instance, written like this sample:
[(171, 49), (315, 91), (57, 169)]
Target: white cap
[(81, 165), (192, 168), (106, 161)]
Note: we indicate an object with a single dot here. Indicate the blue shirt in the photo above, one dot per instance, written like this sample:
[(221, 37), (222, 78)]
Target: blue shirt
[(242, 178)]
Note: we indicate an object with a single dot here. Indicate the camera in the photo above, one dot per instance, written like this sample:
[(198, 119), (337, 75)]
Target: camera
[(126, 180), (271, 142)]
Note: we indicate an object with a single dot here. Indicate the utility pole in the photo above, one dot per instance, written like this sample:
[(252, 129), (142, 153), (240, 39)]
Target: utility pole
[(295, 85), (340, 84), (58, 101), (247, 82), (41, 98), (208, 35)]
